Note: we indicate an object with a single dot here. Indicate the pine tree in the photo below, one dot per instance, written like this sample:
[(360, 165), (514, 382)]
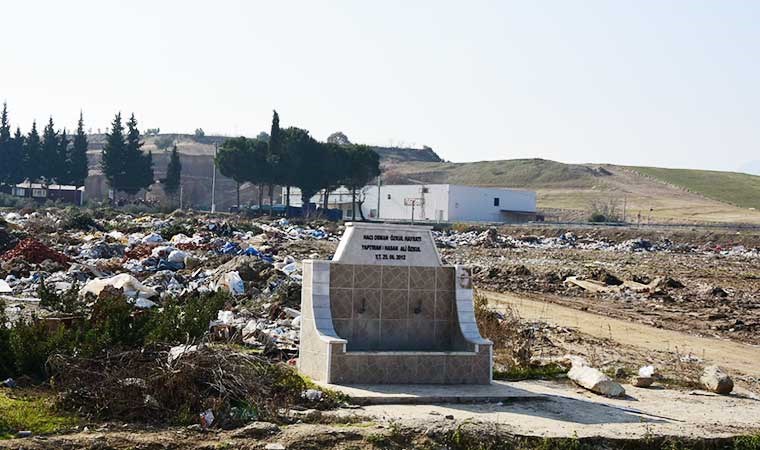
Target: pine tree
[(173, 174), (114, 155), (78, 156), (5, 146), (61, 171), (49, 156), (32, 168)]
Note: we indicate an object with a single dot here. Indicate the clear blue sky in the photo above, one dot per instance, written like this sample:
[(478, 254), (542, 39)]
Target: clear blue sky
[(649, 82)]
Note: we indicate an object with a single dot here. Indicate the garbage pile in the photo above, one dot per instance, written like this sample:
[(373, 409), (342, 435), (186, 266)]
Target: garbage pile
[(492, 238), (152, 258)]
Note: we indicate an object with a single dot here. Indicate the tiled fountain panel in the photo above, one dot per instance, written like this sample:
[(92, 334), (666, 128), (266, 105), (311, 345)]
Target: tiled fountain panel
[(385, 323), (393, 308)]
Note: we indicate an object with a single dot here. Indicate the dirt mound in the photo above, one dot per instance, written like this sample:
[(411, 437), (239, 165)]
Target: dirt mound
[(35, 252)]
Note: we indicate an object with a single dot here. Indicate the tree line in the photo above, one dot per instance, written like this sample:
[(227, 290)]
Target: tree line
[(291, 157), (50, 158)]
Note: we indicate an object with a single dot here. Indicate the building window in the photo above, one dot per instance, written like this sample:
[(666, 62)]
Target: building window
[(40, 193), (389, 196), (496, 201), (425, 190), (19, 192)]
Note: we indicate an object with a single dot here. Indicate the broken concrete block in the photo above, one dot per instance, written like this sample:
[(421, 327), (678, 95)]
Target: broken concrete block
[(640, 381), (595, 381), (715, 380)]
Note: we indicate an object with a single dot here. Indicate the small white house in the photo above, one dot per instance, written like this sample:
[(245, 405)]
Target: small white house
[(432, 203)]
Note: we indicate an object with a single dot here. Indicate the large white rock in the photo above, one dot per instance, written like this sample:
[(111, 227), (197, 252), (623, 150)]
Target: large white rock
[(715, 380), (595, 381)]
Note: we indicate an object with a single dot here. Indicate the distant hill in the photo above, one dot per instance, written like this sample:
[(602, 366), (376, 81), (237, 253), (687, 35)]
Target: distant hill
[(565, 191)]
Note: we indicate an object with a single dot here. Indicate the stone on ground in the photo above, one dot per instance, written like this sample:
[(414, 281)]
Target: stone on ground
[(640, 381), (715, 380), (256, 430), (595, 381)]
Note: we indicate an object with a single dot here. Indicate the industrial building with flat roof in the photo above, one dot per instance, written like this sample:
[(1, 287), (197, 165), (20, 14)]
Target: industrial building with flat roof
[(430, 203)]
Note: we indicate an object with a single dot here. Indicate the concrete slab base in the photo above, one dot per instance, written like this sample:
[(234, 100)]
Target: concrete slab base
[(430, 394)]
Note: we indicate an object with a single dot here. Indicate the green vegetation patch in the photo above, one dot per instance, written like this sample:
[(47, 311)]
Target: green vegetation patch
[(517, 373), (739, 189), (33, 412)]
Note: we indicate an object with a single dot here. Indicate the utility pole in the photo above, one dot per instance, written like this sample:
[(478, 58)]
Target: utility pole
[(213, 181)]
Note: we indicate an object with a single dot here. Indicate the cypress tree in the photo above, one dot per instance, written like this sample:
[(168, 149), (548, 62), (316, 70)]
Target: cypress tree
[(5, 146), (49, 156), (32, 167), (114, 155), (15, 159), (61, 171), (274, 157), (173, 174), (78, 156), (139, 166)]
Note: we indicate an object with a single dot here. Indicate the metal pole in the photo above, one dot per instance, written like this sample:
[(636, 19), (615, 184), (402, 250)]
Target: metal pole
[(378, 197), (213, 181), (413, 202)]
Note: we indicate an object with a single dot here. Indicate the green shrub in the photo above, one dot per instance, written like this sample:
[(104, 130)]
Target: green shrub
[(113, 323), (77, 219), (184, 319)]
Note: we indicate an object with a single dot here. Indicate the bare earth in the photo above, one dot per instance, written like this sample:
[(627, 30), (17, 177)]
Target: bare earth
[(733, 355)]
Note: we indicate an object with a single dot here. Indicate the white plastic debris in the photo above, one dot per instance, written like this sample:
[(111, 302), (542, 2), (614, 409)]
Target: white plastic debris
[(130, 285), (153, 239), (312, 395), (5, 288), (225, 317), (647, 371), (207, 418), (176, 352), (177, 256), (144, 303), (232, 282)]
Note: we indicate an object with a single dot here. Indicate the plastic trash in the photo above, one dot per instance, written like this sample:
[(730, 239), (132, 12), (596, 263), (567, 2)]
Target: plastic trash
[(229, 248), (143, 303), (5, 288), (251, 251), (130, 285), (225, 317), (176, 352), (207, 418), (232, 282), (177, 256), (153, 239), (168, 265)]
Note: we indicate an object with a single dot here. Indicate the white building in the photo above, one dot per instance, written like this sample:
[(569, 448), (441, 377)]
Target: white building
[(432, 203)]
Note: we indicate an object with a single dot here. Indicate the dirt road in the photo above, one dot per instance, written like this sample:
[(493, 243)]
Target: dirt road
[(740, 357)]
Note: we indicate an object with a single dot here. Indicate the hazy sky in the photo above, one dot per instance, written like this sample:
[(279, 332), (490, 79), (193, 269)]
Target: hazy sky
[(650, 82)]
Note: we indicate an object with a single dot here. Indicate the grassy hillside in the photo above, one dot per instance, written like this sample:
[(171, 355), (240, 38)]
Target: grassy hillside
[(519, 173), (567, 191), (738, 189)]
